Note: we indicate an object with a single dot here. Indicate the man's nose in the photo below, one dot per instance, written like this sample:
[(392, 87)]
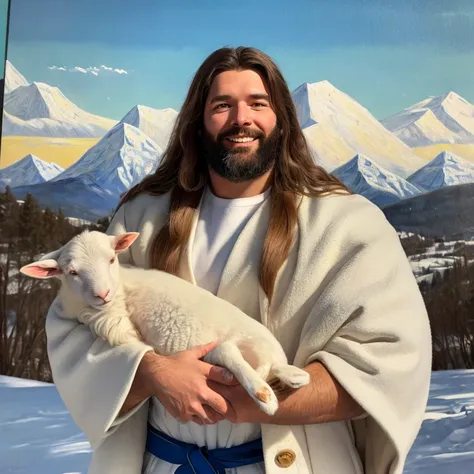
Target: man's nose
[(241, 117)]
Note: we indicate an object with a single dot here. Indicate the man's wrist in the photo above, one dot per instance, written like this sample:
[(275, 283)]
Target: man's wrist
[(146, 373)]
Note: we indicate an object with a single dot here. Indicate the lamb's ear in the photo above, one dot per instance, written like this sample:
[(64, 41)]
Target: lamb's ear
[(54, 255), (121, 242), (42, 269)]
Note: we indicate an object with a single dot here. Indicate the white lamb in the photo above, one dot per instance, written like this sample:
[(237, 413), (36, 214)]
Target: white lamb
[(122, 303)]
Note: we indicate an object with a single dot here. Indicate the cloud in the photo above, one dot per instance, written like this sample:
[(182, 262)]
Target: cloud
[(92, 70), (458, 14)]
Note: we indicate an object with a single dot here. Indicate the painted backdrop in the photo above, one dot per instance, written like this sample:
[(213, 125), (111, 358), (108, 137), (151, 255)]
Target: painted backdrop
[(384, 93)]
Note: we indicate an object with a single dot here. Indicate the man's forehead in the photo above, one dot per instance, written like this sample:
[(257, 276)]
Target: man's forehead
[(238, 83)]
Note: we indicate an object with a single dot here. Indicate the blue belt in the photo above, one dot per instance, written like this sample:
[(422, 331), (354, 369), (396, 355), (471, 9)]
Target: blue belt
[(196, 460)]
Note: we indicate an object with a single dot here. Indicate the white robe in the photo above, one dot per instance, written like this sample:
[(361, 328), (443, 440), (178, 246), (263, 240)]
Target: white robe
[(346, 296)]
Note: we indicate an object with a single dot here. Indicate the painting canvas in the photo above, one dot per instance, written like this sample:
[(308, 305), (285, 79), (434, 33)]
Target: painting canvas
[(384, 92)]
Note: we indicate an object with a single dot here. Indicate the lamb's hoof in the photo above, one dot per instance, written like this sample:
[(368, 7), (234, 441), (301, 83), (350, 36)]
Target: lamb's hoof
[(267, 400)]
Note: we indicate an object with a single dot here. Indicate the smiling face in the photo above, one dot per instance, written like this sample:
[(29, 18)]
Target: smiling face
[(240, 138)]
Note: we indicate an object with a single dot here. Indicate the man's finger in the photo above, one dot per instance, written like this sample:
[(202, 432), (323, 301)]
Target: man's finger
[(212, 415), (216, 401), (222, 375), (201, 351)]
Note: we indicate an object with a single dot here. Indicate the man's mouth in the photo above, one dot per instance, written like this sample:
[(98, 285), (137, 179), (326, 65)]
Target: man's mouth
[(241, 139)]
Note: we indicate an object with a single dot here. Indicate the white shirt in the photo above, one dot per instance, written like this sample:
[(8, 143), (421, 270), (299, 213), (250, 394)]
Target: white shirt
[(220, 223)]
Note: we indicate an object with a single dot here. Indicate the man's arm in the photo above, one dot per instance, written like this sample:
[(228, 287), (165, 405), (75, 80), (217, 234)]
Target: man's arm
[(323, 400)]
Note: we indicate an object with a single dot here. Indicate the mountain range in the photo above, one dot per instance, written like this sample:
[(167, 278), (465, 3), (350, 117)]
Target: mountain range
[(343, 136), (363, 176), (91, 187), (446, 169), (444, 213), (40, 110), (30, 170), (448, 118), (337, 128)]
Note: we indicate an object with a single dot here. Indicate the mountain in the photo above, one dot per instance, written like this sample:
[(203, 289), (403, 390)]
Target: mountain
[(38, 109), (91, 187), (363, 176), (124, 156), (79, 197), (27, 171), (13, 78), (446, 169), (448, 118), (156, 123), (445, 213), (337, 128)]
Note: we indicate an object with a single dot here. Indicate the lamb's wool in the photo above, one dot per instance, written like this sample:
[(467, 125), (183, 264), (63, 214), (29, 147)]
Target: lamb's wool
[(122, 304)]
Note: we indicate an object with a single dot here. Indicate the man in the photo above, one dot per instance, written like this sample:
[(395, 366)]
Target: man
[(238, 207)]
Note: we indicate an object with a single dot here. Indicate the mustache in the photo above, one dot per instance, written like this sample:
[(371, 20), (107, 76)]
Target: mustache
[(248, 132)]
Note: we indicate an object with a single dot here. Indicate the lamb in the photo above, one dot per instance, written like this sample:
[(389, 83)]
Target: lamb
[(121, 303)]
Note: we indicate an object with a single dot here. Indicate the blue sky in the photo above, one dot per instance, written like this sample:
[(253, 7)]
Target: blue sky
[(386, 54)]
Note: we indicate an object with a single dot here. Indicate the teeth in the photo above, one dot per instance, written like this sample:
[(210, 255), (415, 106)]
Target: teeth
[(241, 140)]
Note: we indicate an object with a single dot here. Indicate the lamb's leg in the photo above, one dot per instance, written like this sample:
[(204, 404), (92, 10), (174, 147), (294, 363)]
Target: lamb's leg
[(288, 375), (229, 356)]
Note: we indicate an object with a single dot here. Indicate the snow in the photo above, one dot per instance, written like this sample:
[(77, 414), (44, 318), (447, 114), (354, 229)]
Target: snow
[(156, 123), (13, 78), (122, 158), (363, 176), (39, 109), (38, 436), (448, 118), (337, 127), (446, 169), (29, 170)]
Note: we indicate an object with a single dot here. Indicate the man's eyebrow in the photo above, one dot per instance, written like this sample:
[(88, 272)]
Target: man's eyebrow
[(224, 97)]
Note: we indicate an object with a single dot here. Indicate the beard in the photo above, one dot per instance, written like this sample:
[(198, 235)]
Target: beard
[(238, 165)]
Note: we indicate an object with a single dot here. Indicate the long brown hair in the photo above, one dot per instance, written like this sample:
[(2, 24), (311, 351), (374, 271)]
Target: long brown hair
[(184, 174)]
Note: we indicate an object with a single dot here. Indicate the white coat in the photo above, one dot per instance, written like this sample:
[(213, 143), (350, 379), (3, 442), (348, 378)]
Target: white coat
[(346, 296)]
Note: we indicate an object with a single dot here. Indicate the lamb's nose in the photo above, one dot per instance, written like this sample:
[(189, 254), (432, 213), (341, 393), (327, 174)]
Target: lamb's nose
[(103, 294)]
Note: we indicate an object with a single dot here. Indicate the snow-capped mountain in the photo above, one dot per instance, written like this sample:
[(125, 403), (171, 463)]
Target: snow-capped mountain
[(29, 170), (448, 118), (337, 128), (124, 156), (156, 123), (38, 109), (13, 78), (446, 169), (363, 176)]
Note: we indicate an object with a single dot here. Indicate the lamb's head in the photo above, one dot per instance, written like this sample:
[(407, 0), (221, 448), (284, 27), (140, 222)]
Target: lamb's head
[(87, 264)]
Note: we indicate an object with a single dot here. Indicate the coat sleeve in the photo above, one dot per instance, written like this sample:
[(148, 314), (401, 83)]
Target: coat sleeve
[(379, 348), (92, 377)]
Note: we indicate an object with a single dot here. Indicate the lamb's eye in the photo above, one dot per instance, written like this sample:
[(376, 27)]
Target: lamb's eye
[(73, 272), (112, 260)]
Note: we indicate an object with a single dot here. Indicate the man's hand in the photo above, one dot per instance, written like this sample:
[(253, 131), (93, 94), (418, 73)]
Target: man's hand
[(181, 382), (323, 400), (241, 407)]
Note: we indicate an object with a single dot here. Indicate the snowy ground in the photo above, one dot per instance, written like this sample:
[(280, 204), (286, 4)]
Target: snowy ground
[(37, 435)]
